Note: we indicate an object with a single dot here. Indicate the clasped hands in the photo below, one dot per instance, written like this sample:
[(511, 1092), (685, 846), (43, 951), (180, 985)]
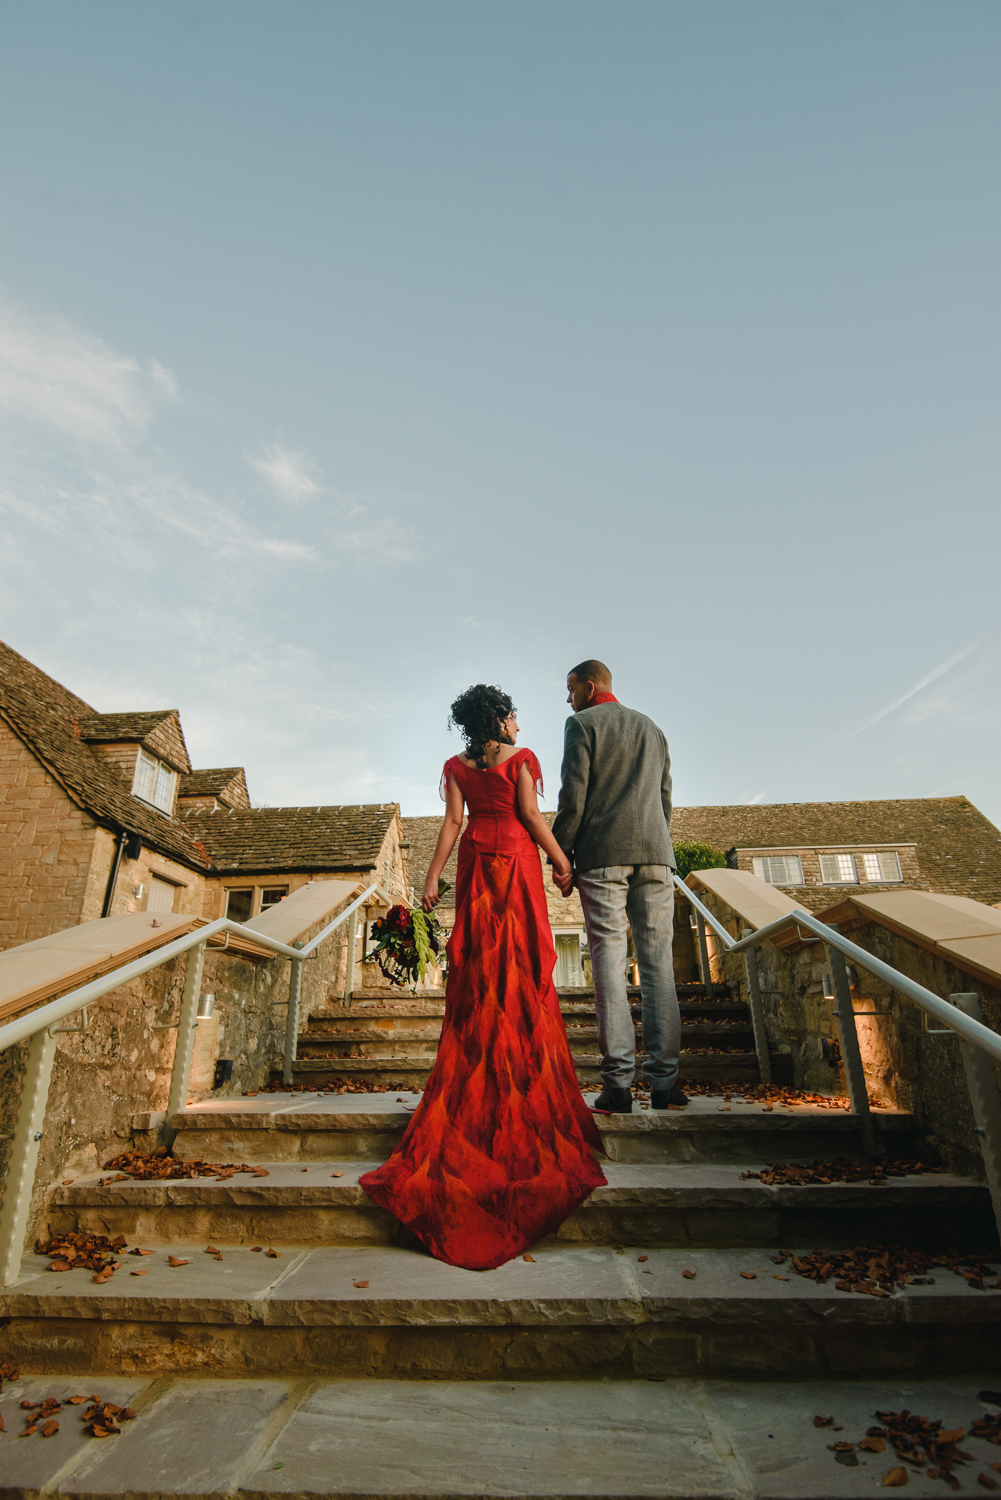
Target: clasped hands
[(563, 879)]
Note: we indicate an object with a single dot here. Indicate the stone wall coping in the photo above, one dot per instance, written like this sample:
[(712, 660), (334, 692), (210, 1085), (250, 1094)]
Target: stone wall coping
[(965, 932), (751, 899), (304, 908)]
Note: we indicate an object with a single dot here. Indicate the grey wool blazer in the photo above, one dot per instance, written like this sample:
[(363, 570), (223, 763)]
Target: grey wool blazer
[(615, 790)]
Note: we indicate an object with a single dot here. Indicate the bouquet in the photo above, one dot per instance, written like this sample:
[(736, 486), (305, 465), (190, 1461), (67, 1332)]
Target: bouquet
[(408, 941)]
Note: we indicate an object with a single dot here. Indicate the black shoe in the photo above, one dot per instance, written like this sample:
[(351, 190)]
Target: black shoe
[(664, 1098), (613, 1102)]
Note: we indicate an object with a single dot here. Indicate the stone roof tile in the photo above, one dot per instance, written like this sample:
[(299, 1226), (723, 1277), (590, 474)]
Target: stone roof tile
[(292, 838)]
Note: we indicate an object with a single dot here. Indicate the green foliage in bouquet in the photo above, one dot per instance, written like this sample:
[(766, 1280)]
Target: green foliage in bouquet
[(408, 943)]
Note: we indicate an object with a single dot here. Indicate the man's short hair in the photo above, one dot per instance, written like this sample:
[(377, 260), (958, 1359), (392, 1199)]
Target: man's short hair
[(591, 671)]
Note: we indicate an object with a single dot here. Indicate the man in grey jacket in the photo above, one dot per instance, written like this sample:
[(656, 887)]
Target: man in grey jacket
[(614, 825)]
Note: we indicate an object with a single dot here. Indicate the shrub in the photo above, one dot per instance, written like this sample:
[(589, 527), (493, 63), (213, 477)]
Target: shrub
[(691, 855)]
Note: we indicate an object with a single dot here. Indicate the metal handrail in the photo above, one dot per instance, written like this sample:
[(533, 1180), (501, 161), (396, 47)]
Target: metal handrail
[(933, 1005), (40, 1026)]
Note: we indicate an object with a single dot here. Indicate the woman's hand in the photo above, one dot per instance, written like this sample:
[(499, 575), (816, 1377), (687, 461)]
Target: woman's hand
[(563, 876), (430, 898)]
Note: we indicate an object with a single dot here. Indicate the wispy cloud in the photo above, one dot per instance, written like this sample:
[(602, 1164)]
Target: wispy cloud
[(57, 375), (918, 687), (290, 473), (754, 801)]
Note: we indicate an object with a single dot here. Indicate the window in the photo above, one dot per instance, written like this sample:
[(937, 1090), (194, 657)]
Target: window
[(154, 782), (161, 895), (881, 866), (240, 904), (784, 869), (569, 973), (838, 869), (271, 896)]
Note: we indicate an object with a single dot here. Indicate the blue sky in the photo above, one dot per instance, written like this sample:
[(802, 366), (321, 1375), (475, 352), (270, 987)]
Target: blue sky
[(355, 352)]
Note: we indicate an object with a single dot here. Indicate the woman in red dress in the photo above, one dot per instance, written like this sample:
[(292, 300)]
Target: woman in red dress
[(501, 1147)]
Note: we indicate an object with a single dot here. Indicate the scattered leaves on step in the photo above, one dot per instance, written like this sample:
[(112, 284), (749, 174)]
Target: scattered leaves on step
[(89, 1252), (793, 1174), (172, 1260), (361, 1285), (749, 1275), (895, 1477), (988, 1426), (160, 1166), (688, 1275), (531, 1258), (139, 1251), (876, 1271)]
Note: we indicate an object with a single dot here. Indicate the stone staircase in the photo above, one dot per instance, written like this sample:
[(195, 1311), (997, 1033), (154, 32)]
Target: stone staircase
[(383, 1039), (315, 1348)]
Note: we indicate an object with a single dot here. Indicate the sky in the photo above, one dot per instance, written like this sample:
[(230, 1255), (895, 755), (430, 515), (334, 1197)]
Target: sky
[(351, 353)]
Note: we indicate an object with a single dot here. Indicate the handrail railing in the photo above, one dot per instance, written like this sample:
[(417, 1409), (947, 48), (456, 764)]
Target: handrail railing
[(961, 1013), (40, 1025)]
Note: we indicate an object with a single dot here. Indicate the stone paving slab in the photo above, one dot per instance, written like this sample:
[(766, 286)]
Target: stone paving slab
[(492, 1439), (30, 1464), (409, 1287), (418, 1439), (204, 1291)]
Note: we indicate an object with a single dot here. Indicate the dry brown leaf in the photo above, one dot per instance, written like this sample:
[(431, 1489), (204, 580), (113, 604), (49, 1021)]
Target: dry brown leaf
[(360, 1284), (642, 1257), (138, 1251), (254, 1248), (29, 1431), (777, 1277), (895, 1477), (143, 1272), (337, 1174), (51, 1428), (219, 1255), (529, 1258), (211, 1250), (988, 1481), (872, 1444), (67, 1181), (172, 1260), (952, 1436), (749, 1275), (822, 1421), (2, 1427), (274, 1255), (688, 1275)]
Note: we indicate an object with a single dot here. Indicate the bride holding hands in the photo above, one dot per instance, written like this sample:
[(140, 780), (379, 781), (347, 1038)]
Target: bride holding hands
[(500, 1149)]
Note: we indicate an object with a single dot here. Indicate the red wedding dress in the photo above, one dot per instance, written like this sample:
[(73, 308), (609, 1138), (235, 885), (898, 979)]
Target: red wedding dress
[(499, 1151)]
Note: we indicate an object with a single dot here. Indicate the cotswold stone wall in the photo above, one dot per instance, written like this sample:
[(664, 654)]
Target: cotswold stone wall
[(906, 1067)]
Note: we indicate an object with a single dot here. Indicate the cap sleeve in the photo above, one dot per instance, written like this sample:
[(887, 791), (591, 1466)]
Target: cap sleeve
[(446, 776), (532, 762)]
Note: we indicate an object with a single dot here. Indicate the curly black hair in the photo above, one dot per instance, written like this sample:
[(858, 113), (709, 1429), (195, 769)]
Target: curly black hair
[(478, 713)]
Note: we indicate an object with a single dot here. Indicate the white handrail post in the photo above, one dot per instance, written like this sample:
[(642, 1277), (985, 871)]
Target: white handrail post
[(758, 1016), (292, 1017), (982, 1084), (349, 964), (851, 1054), (707, 980), (24, 1154), (185, 1044)]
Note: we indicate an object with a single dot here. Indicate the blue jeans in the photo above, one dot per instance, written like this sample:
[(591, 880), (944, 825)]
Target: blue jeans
[(643, 895)]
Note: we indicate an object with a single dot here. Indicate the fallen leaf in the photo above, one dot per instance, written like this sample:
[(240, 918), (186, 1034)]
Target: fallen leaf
[(822, 1421), (895, 1477), (137, 1251), (872, 1444), (211, 1250), (274, 1255), (254, 1249), (749, 1275), (777, 1277), (529, 1258), (360, 1284), (78, 1400), (987, 1480), (103, 1276), (842, 1447), (67, 1181), (60, 1265), (642, 1257), (219, 1255), (143, 1272), (29, 1431), (688, 1275), (52, 1427), (172, 1260), (2, 1427), (337, 1174), (952, 1436)]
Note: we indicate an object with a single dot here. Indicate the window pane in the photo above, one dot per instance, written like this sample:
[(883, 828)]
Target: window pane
[(240, 905), (145, 777), (164, 783), (273, 896), (780, 869), (870, 864)]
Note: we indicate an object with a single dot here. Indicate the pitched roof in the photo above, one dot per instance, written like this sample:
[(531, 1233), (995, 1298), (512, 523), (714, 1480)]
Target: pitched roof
[(292, 838), (228, 783), (159, 732), (45, 716), (958, 849)]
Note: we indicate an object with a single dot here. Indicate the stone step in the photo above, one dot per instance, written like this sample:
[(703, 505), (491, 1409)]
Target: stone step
[(423, 1018), (365, 1127), (411, 1072), (674, 1205), (415, 1041), (533, 1438), (392, 1312)]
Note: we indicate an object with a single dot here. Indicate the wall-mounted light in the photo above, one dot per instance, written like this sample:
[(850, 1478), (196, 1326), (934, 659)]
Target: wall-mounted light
[(828, 987), (206, 1005)]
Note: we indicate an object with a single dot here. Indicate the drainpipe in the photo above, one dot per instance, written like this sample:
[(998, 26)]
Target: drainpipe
[(116, 865)]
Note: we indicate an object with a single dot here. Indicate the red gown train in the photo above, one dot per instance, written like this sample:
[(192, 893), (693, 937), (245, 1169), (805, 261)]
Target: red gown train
[(499, 1151)]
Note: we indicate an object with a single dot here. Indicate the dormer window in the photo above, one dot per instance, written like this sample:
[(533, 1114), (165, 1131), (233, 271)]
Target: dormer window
[(154, 782)]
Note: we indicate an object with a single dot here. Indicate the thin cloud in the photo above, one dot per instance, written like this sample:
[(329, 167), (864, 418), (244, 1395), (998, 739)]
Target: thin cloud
[(754, 801), (287, 471), (918, 687), (59, 376)]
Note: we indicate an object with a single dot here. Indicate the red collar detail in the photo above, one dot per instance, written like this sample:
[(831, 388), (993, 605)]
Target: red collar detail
[(601, 698)]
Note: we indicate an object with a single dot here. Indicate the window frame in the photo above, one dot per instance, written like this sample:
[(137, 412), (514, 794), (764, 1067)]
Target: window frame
[(879, 855), (158, 769), (763, 860), (839, 856)]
